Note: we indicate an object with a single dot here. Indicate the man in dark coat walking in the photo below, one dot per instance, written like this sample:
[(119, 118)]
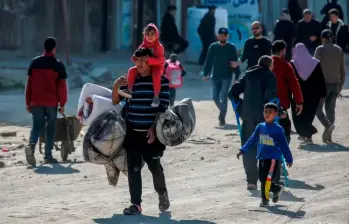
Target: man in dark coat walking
[(326, 9), (285, 30), (207, 33), (258, 87), (339, 30), (169, 34), (308, 31)]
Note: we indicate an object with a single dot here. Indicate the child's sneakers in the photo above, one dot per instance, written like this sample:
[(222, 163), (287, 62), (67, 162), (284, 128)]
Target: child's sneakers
[(156, 101), (277, 194), (264, 203), (125, 93)]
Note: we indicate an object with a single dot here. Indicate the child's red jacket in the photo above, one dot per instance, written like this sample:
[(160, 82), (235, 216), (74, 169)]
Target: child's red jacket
[(156, 46)]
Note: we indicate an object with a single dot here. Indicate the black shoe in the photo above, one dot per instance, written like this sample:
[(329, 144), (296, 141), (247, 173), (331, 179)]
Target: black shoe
[(29, 154), (164, 202), (50, 161), (222, 123), (277, 194), (264, 203), (133, 210), (252, 187)]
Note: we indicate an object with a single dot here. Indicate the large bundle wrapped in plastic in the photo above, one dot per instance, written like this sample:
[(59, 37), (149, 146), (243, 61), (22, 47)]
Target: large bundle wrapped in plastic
[(176, 125), (103, 144)]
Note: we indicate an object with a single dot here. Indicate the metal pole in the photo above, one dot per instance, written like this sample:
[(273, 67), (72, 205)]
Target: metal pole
[(67, 30)]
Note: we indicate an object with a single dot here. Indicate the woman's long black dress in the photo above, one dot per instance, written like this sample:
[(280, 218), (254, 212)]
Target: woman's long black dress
[(313, 89)]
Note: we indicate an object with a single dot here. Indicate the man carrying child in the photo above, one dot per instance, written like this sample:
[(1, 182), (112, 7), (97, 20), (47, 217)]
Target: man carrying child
[(141, 143), (272, 144)]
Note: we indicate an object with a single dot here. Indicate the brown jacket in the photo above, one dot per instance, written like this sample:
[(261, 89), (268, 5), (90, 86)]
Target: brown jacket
[(332, 63)]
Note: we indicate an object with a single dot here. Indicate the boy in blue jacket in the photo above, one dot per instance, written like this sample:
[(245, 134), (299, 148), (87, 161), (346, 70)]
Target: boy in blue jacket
[(272, 144)]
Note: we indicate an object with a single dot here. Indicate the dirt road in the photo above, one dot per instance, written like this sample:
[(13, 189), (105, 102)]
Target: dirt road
[(205, 180)]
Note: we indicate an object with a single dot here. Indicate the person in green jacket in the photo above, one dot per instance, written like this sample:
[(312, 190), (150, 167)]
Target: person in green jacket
[(220, 64)]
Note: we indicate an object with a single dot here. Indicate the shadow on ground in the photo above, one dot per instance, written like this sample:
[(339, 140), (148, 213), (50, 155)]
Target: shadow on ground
[(333, 147), (281, 210), (286, 195), (164, 218), (297, 184), (55, 169)]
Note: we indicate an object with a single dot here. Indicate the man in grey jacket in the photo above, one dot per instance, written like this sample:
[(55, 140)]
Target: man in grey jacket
[(332, 63), (258, 87)]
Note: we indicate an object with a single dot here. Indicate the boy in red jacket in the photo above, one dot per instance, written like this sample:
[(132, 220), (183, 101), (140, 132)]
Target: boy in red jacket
[(157, 63)]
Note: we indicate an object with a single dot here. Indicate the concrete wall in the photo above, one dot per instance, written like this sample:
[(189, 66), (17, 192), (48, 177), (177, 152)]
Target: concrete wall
[(42, 18)]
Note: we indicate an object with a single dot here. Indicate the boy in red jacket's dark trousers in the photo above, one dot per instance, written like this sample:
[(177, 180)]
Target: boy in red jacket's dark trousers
[(157, 63)]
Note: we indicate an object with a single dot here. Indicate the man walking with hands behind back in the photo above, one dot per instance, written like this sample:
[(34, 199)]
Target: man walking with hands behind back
[(46, 89), (332, 63)]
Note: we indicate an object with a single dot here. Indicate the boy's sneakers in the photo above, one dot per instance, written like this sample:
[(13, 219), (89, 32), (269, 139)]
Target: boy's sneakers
[(133, 210), (276, 195), (164, 202), (156, 101), (264, 203), (29, 154), (125, 93), (251, 187)]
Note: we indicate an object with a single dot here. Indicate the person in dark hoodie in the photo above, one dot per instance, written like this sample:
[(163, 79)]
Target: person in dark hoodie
[(206, 31), (295, 10), (339, 30), (308, 31), (285, 30), (221, 63), (169, 34), (326, 9), (255, 46), (259, 88)]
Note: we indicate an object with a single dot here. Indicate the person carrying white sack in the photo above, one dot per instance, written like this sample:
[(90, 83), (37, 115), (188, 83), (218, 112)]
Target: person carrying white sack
[(95, 100)]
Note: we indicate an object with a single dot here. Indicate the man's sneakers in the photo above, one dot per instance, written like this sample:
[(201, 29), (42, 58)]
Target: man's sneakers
[(156, 102), (277, 194), (251, 187), (222, 123), (50, 161), (133, 210), (29, 154), (264, 203), (164, 202), (327, 135)]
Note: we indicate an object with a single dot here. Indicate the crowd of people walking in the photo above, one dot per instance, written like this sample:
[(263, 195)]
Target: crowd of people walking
[(301, 57)]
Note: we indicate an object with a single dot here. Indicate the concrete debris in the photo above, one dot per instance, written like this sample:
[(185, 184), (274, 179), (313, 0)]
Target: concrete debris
[(8, 134)]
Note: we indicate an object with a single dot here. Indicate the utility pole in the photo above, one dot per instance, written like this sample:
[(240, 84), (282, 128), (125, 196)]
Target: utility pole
[(66, 19)]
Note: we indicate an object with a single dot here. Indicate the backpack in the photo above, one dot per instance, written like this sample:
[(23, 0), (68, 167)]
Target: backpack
[(174, 74)]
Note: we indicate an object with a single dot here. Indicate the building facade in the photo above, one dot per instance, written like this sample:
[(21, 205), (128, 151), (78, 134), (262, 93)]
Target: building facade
[(91, 26)]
